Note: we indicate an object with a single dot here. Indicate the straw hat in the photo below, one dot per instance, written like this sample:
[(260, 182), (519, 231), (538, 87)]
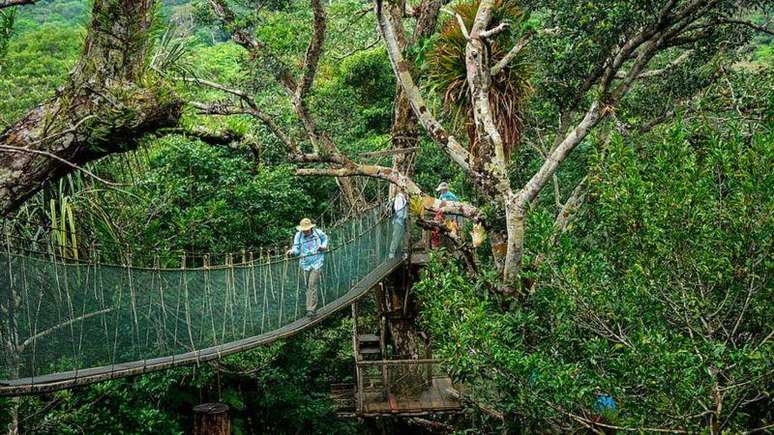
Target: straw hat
[(305, 225), (442, 186)]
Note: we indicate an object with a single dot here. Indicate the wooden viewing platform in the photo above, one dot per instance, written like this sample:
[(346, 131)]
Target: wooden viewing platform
[(433, 398), (412, 390), (393, 387)]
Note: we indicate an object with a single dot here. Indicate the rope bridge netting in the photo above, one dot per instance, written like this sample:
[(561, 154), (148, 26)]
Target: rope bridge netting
[(63, 322)]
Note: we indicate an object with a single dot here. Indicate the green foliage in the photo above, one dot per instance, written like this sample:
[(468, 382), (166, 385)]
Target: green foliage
[(447, 70), (355, 99), (204, 199), (7, 19), (36, 63), (644, 300), (61, 13), (677, 221)]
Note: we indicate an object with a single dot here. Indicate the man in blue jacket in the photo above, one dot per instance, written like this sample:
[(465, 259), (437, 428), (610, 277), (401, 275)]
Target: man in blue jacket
[(444, 194), (310, 243)]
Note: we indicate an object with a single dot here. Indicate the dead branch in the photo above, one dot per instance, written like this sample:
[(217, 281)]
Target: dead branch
[(495, 30), (53, 329), (460, 22), (13, 149)]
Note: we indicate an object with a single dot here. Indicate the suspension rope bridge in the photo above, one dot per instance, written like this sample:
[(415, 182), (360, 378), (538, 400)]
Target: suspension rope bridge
[(65, 323)]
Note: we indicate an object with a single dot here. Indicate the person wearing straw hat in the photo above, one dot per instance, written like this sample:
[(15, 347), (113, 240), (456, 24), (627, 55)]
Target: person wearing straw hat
[(444, 194), (309, 244)]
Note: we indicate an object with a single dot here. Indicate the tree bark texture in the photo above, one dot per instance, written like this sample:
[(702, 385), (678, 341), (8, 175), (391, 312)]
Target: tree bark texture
[(106, 106)]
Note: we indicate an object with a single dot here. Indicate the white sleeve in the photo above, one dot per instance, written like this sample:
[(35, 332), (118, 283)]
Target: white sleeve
[(400, 201)]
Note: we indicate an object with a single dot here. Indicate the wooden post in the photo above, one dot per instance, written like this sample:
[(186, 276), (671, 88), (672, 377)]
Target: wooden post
[(356, 350), (408, 249), (211, 419), (428, 355), (383, 349)]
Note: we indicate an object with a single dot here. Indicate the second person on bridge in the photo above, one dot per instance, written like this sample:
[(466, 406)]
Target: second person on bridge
[(310, 243)]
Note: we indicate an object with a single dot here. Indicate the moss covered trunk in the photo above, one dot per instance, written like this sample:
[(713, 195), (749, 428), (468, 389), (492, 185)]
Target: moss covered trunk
[(108, 103)]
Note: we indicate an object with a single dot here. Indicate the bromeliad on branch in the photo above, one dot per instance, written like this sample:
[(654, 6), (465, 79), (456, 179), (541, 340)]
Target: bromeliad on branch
[(471, 59)]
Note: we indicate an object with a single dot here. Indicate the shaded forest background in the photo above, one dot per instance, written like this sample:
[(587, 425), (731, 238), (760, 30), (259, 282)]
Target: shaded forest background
[(674, 233)]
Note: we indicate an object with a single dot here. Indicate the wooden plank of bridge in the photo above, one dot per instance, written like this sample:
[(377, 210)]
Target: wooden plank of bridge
[(437, 395), (443, 385), (412, 402), (425, 399)]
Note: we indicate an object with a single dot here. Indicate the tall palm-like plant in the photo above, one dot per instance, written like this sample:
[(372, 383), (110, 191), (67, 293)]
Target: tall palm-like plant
[(510, 88)]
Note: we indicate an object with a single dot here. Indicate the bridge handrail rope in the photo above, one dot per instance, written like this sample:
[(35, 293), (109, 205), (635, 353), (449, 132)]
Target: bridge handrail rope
[(272, 251), (76, 322), (265, 260), (275, 249)]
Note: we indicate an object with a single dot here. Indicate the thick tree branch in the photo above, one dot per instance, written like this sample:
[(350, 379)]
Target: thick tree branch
[(399, 179), (427, 19), (446, 142), (490, 159), (311, 62), (108, 86), (512, 53), (763, 29), (482, 19), (541, 177)]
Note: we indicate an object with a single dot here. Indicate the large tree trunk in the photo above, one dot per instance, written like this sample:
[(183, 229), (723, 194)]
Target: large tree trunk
[(405, 135), (108, 103), (514, 223)]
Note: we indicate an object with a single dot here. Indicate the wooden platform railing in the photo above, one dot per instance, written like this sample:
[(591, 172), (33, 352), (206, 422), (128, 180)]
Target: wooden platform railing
[(405, 387)]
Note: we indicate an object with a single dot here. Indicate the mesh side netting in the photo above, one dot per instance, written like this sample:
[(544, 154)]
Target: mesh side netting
[(59, 316)]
